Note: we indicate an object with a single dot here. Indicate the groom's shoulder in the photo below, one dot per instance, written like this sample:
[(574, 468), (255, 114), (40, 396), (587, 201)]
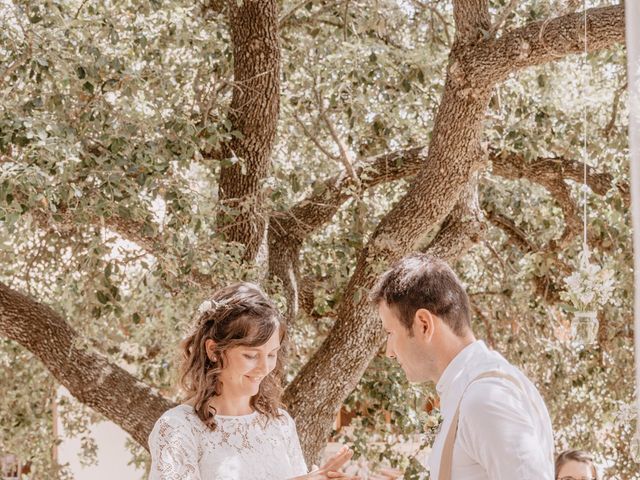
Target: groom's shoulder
[(505, 388)]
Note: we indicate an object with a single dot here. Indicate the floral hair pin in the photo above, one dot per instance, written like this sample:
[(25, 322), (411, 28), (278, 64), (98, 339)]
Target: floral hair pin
[(208, 305)]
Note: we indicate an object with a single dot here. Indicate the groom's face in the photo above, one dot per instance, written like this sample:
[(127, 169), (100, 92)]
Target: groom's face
[(409, 348)]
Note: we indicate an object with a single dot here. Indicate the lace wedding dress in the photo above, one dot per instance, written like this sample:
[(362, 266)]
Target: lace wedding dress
[(247, 447)]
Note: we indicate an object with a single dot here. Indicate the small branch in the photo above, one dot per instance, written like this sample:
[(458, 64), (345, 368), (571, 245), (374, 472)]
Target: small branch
[(614, 111), (80, 8), (15, 65), (508, 10), (344, 155), (345, 19), (515, 233), (287, 17), (487, 324), (445, 25), (313, 138), (292, 10)]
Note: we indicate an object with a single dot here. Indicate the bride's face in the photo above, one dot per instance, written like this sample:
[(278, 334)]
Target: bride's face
[(246, 367)]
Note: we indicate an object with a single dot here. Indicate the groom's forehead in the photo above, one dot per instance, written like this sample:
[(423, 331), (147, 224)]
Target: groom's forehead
[(388, 313)]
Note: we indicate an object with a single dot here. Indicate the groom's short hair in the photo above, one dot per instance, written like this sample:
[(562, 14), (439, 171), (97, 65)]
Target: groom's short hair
[(423, 281)]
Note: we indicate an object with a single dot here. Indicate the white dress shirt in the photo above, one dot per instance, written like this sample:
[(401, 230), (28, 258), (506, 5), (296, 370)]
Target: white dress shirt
[(504, 430)]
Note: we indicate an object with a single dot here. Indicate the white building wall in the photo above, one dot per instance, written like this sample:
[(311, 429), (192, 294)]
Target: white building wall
[(112, 454)]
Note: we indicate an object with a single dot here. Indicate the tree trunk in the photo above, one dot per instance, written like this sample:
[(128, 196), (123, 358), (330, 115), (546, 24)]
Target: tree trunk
[(254, 115), (455, 153), (316, 394)]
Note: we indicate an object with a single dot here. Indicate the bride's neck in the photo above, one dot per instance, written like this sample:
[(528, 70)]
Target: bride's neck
[(231, 405)]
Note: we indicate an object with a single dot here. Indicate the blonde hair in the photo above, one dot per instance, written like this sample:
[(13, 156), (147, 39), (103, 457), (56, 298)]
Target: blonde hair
[(240, 314)]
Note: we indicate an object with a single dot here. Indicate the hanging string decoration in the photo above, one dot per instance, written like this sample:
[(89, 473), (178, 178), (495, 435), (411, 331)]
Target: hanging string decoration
[(590, 286)]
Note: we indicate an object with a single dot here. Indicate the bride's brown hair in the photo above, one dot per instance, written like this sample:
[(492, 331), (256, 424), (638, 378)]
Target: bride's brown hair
[(240, 314)]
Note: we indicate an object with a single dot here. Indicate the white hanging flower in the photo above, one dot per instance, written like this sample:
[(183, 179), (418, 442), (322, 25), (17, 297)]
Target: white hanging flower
[(590, 287), (586, 297), (573, 281)]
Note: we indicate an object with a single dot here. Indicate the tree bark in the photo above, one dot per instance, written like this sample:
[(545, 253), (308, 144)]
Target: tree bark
[(546, 41), (463, 227), (288, 230), (254, 114), (454, 155), (89, 376)]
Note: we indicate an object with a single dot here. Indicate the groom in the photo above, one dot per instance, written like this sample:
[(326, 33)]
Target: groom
[(496, 425)]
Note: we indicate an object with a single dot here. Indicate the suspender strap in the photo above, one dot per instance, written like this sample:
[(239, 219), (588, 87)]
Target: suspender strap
[(446, 460)]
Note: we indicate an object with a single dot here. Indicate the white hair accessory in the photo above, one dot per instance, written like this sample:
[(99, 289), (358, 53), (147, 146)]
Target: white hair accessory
[(207, 305)]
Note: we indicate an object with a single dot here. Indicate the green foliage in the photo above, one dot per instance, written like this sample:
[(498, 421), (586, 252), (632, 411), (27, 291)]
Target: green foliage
[(112, 112)]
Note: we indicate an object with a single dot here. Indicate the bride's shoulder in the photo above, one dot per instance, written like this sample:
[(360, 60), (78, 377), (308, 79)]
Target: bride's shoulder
[(284, 418), (282, 413), (179, 415), (176, 424)]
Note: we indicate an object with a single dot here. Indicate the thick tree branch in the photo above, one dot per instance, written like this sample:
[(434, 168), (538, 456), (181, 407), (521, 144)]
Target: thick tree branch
[(544, 41), (327, 196), (551, 173), (472, 19), (463, 227), (288, 230), (254, 114), (89, 376)]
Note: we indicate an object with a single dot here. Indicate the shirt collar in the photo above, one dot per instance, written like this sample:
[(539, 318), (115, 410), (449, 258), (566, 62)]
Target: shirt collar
[(458, 365)]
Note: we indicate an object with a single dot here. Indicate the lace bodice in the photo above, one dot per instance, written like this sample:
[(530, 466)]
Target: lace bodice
[(247, 447)]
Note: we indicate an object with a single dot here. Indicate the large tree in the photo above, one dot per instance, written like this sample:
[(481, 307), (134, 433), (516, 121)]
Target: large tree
[(152, 151)]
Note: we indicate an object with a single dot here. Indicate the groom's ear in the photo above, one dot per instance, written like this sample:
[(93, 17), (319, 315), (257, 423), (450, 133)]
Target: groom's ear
[(424, 324)]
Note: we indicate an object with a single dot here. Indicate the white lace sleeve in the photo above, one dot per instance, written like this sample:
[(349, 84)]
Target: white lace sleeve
[(293, 447), (174, 451)]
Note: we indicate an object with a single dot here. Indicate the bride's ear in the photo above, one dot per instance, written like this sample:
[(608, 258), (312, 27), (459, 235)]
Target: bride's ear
[(210, 347)]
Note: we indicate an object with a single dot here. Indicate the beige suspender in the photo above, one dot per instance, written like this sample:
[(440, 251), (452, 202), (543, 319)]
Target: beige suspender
[(446, 460)]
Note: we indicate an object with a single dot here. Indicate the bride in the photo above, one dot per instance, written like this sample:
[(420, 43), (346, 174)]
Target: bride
[(231, 426)]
